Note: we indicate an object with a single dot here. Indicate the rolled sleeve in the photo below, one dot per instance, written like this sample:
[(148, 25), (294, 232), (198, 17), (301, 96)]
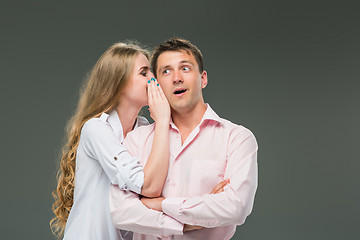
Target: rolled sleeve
[(119, 165), (130, 172)]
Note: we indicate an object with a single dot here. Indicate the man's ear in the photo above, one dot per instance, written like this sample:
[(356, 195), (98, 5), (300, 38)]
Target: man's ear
[(204, 80)]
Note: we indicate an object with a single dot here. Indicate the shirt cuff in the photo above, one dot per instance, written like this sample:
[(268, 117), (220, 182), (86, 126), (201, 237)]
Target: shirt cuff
[(172, 207), (130, 172), (172, 227)]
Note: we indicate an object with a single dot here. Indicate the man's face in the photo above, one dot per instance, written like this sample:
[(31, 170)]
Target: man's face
[(179, 77)]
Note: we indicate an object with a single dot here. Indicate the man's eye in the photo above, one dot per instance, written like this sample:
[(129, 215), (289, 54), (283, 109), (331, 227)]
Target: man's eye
[(166, 71), (186, 68)]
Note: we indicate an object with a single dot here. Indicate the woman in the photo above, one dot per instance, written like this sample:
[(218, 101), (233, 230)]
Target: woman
[(94, 157)]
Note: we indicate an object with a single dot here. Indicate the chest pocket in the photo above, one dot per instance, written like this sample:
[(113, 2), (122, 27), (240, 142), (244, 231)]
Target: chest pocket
[(207, 174)]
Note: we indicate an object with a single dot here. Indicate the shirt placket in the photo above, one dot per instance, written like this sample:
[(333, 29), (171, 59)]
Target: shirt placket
[(176, 149)]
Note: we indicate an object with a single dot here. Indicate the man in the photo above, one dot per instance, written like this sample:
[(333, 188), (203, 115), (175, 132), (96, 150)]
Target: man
[(204, 150)]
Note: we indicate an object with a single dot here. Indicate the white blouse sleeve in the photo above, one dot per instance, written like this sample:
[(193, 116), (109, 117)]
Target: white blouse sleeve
[(119, 165)]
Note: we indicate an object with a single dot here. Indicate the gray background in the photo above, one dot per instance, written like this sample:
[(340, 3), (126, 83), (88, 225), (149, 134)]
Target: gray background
[(287, 70)]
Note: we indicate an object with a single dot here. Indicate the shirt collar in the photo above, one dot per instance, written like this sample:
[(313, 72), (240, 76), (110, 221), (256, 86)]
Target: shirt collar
[(113, 119), (115, 123), (209, 115)]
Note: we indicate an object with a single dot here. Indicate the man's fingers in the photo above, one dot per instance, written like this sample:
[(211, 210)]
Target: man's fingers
[(220, 186), (217, 187)]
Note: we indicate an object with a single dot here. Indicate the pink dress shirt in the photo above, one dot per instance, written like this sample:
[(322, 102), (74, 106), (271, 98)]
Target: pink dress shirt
[(215, 150)]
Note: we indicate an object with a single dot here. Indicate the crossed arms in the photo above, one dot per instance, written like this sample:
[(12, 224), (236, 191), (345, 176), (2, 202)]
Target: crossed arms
[(230, 207)]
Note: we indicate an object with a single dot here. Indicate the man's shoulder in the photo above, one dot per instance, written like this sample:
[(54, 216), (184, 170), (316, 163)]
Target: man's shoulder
[(235, 130), (142, 131), (225, 124), (228, 124)]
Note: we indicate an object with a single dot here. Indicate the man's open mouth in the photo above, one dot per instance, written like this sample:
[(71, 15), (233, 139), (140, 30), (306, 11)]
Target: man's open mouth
[(179, 91)]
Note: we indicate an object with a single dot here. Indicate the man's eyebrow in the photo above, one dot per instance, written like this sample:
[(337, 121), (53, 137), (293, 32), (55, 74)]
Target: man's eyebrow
[(187, 61), (161, 68), (181, 62)]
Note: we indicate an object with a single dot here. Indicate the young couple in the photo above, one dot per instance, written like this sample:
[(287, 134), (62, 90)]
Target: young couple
[(190, 175)]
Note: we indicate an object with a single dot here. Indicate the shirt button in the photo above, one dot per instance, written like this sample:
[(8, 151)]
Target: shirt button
[(115, 158)]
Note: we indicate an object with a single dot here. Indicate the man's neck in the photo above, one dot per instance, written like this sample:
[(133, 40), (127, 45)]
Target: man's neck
[(186, 121)]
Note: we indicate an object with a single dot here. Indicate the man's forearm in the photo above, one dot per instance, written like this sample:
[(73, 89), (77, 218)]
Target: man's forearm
[(128, 213), (231, 206)]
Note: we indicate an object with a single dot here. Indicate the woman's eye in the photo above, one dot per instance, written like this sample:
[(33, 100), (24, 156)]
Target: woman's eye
[(143, 73)]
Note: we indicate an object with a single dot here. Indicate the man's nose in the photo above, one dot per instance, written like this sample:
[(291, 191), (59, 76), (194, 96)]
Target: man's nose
[(177, 78)]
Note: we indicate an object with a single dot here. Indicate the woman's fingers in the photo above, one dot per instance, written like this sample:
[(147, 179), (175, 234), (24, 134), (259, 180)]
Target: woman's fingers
[(157, 89), (150, 92), (153, 89), (161, 93), (159, 106)]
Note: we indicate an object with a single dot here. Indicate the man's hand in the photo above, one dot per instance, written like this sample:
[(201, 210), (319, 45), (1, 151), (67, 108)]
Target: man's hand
[(188, 228), (153, 203), (220, 186)]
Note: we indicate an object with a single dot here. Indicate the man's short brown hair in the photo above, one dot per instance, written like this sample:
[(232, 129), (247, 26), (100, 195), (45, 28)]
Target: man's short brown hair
[(177, 44)]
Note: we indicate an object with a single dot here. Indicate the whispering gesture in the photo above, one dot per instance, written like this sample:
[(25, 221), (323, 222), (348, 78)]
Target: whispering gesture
[(158, 104)]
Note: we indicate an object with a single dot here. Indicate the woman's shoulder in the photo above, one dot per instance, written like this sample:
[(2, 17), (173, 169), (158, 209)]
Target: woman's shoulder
[(95, 126)]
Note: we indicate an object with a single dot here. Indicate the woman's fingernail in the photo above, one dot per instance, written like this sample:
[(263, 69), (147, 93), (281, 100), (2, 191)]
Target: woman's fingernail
[(158, 84), (149, 81), (153, 79)]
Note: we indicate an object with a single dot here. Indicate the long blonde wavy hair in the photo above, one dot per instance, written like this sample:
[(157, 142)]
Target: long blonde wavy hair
[(99, 93)]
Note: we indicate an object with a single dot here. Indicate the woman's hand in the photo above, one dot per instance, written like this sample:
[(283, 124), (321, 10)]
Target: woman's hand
[(158, 104)]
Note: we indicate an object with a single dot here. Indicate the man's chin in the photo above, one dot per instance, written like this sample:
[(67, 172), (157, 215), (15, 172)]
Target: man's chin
[(182, 107), (178, 107)]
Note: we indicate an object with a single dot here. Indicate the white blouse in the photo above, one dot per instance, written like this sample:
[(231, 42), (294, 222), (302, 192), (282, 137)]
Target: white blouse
[(101, 160)]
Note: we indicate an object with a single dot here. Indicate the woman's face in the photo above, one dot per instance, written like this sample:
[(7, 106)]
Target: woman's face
[(136, 87)]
